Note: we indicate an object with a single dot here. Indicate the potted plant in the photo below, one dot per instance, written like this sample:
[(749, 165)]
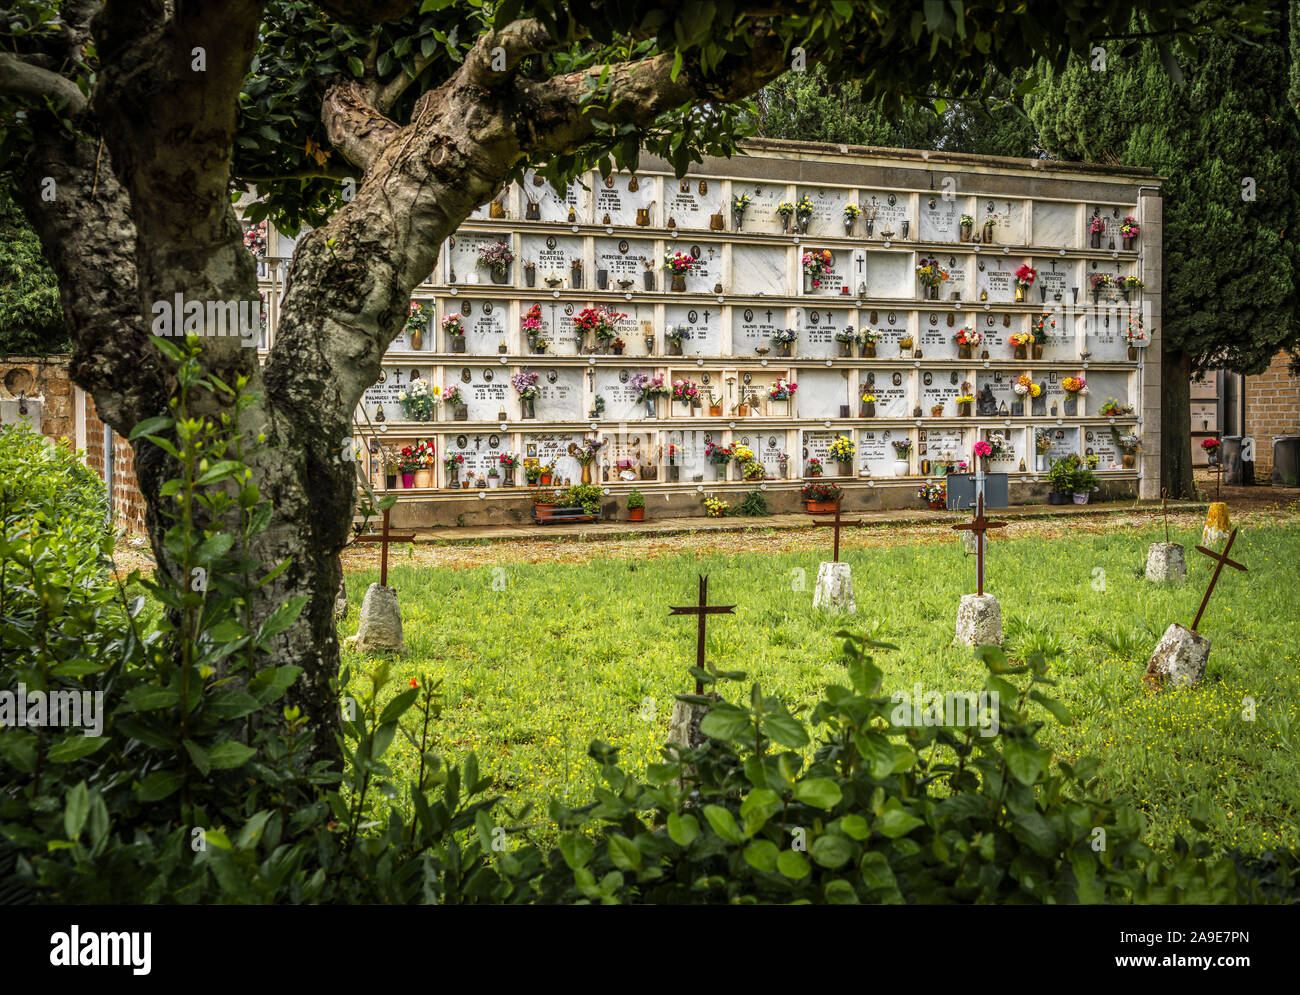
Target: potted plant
[(1211, 447), (676, 336), (686, 392), (617, 346), (719, 457), (868, 408), (679, 265), (1025, 277), (1096, 227), (1084, 481), (493, 477), (454, 328), (598, 406), (1020, 343), (1133, 334), (1042, 446), (779, 395), (635, 506), (816, 267), (715, 507), (451, 465), (935, 494), (783, 339), (715, 405), (966, 226), (968, 339), (820, 499), (547, 476), (1130, 285), (407, 464), (496, 257), (842, 451), (1129, 230), (1061, 476), (814, 467), (532, 471), (845, 338), (1074, 387), (739, 205), (391, 460), (851, 214), (1128, 445), (1044, 329), (508, 462), (544, 504), (930, 275), (902, 452), (532, 325), (936, 410), (454, 399), (419, 401), (584, 497), (866, 340)]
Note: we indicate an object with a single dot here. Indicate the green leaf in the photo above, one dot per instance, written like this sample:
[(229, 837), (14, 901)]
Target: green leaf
[(682, 829), (895, 821), (228, 755), (200, 757), (831, 851), (624, 853), (762, 855), (785, 730), (725, 722), (356, 66), (576, 849), (75, 810), (1026, 762), (151, 426), (74, 748), (396, 708), (158, 785), (820, 792), (793, 865), (1057, 709), (723, 823)]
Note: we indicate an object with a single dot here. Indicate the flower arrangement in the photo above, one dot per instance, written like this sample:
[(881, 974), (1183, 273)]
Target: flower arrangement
[(846, 335), (531, 323), (418, 400), (1097, 225), (905, 342), (784, 209), (1019, 339), (998, 446), (1114, 408), (453, 324), (803, 209), (817, 265), (1045, 327), (1043, 441), (686, 391), (930, 273), (1133, 283), (739, 204), (969, 337), (967, 220), (1128, 444), (672, 455), (678, 334), (453, 462), (1026, 275), (453, 397), (992, 220), (718, 455), (525, 385), (508, 460), (902, 447), (647, 388), (782, 336), (1211, 446), (1099, 281), (1129, 228), (966, 399), (585, 454), (255, 239), (679, 263), (843, 449), (933, 493), (408, 461), (600, 322), (852, 212), (782, 390), (867, 337), (715, 507), (1074, 385), (983, 449), (868, 398), (417, 318), (814, 467), (820, 493), (1026, 385), (495, 256), (532, 470)]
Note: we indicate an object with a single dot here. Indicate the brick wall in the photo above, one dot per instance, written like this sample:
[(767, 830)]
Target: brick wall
[(45, 378), (128, 502), (1272, 409)]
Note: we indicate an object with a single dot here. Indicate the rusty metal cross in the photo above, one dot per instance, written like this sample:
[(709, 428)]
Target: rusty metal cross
[(703, 610), (835, 524), (384, 538), (979, 525), (1221, 558)]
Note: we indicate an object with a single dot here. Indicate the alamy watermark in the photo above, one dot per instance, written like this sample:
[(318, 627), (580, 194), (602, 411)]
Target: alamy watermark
[(957, 709), (179, 317), (69, 709)]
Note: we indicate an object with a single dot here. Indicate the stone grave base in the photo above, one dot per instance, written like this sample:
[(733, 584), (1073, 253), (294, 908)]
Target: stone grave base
[(341, 602), (1165, 561), (684, 726), (1179, 658), (834, 591), (979, 620), (1217, 525), (968, 543), (380, 630)]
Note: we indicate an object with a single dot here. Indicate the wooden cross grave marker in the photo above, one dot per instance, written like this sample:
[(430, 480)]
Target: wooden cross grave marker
[(1164, 508), (835, 524), (703, 610), (979, 525), (1221, 559), (384, 538)]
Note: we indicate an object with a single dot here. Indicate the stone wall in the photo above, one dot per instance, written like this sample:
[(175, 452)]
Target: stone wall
[(128, 502), (1272, 409), (41, 384)]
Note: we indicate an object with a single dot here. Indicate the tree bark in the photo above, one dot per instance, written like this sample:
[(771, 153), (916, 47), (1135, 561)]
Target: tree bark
[(1176, 424)]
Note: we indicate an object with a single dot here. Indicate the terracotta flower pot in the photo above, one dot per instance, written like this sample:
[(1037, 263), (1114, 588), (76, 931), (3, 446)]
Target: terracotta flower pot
[(820, 507), (636, 514)]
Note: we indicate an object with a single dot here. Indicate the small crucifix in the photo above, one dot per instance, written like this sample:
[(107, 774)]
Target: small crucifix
[(1221, 559), (835, 524), (979, 525), (384, 538), (702, 610)]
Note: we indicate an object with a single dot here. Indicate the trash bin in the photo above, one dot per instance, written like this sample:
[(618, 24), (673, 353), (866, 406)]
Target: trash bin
[(1231, 457), (1286, 460)]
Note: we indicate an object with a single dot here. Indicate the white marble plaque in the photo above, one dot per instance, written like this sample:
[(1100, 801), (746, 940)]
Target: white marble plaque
[(996, 277), (828, 209), (486, 389), (688, 446), (614, 384), (703, 324), (1099, 442), (383, 394), (552, 449), (940, 387), (940, 219), (998, 327), (1056, 225), (461, 258), (890, 210), (1014, 444), (552, 206), (817, 445), (559, 395), (485, 323), (1002, 383), (1065, 441), (1053, 283), (1105, 330), (836, 283), (757, 269), (817, 328), (480, 449), (707, 271), (822, 392), (935, 335), (941, 445), (761, 214), (769, 446), (890, 274), (875, 452), (1103, 385), (1010, 228), (622, 259), (752, 328), (692, 200), (621, 195), (553, 256), (889, 387)]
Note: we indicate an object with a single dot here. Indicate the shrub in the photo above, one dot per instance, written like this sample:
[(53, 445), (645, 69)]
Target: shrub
[(635, 499), (820, 492), (586, 496)]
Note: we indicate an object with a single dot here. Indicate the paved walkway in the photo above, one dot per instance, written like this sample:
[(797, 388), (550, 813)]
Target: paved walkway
[(683, 526)]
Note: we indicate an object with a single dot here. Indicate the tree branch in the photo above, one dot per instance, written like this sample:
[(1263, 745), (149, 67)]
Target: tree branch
[(354, 127), (497, 54), (22, 79)]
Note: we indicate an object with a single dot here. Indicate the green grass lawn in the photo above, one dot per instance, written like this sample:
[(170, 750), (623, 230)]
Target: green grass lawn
[(539, 659)]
